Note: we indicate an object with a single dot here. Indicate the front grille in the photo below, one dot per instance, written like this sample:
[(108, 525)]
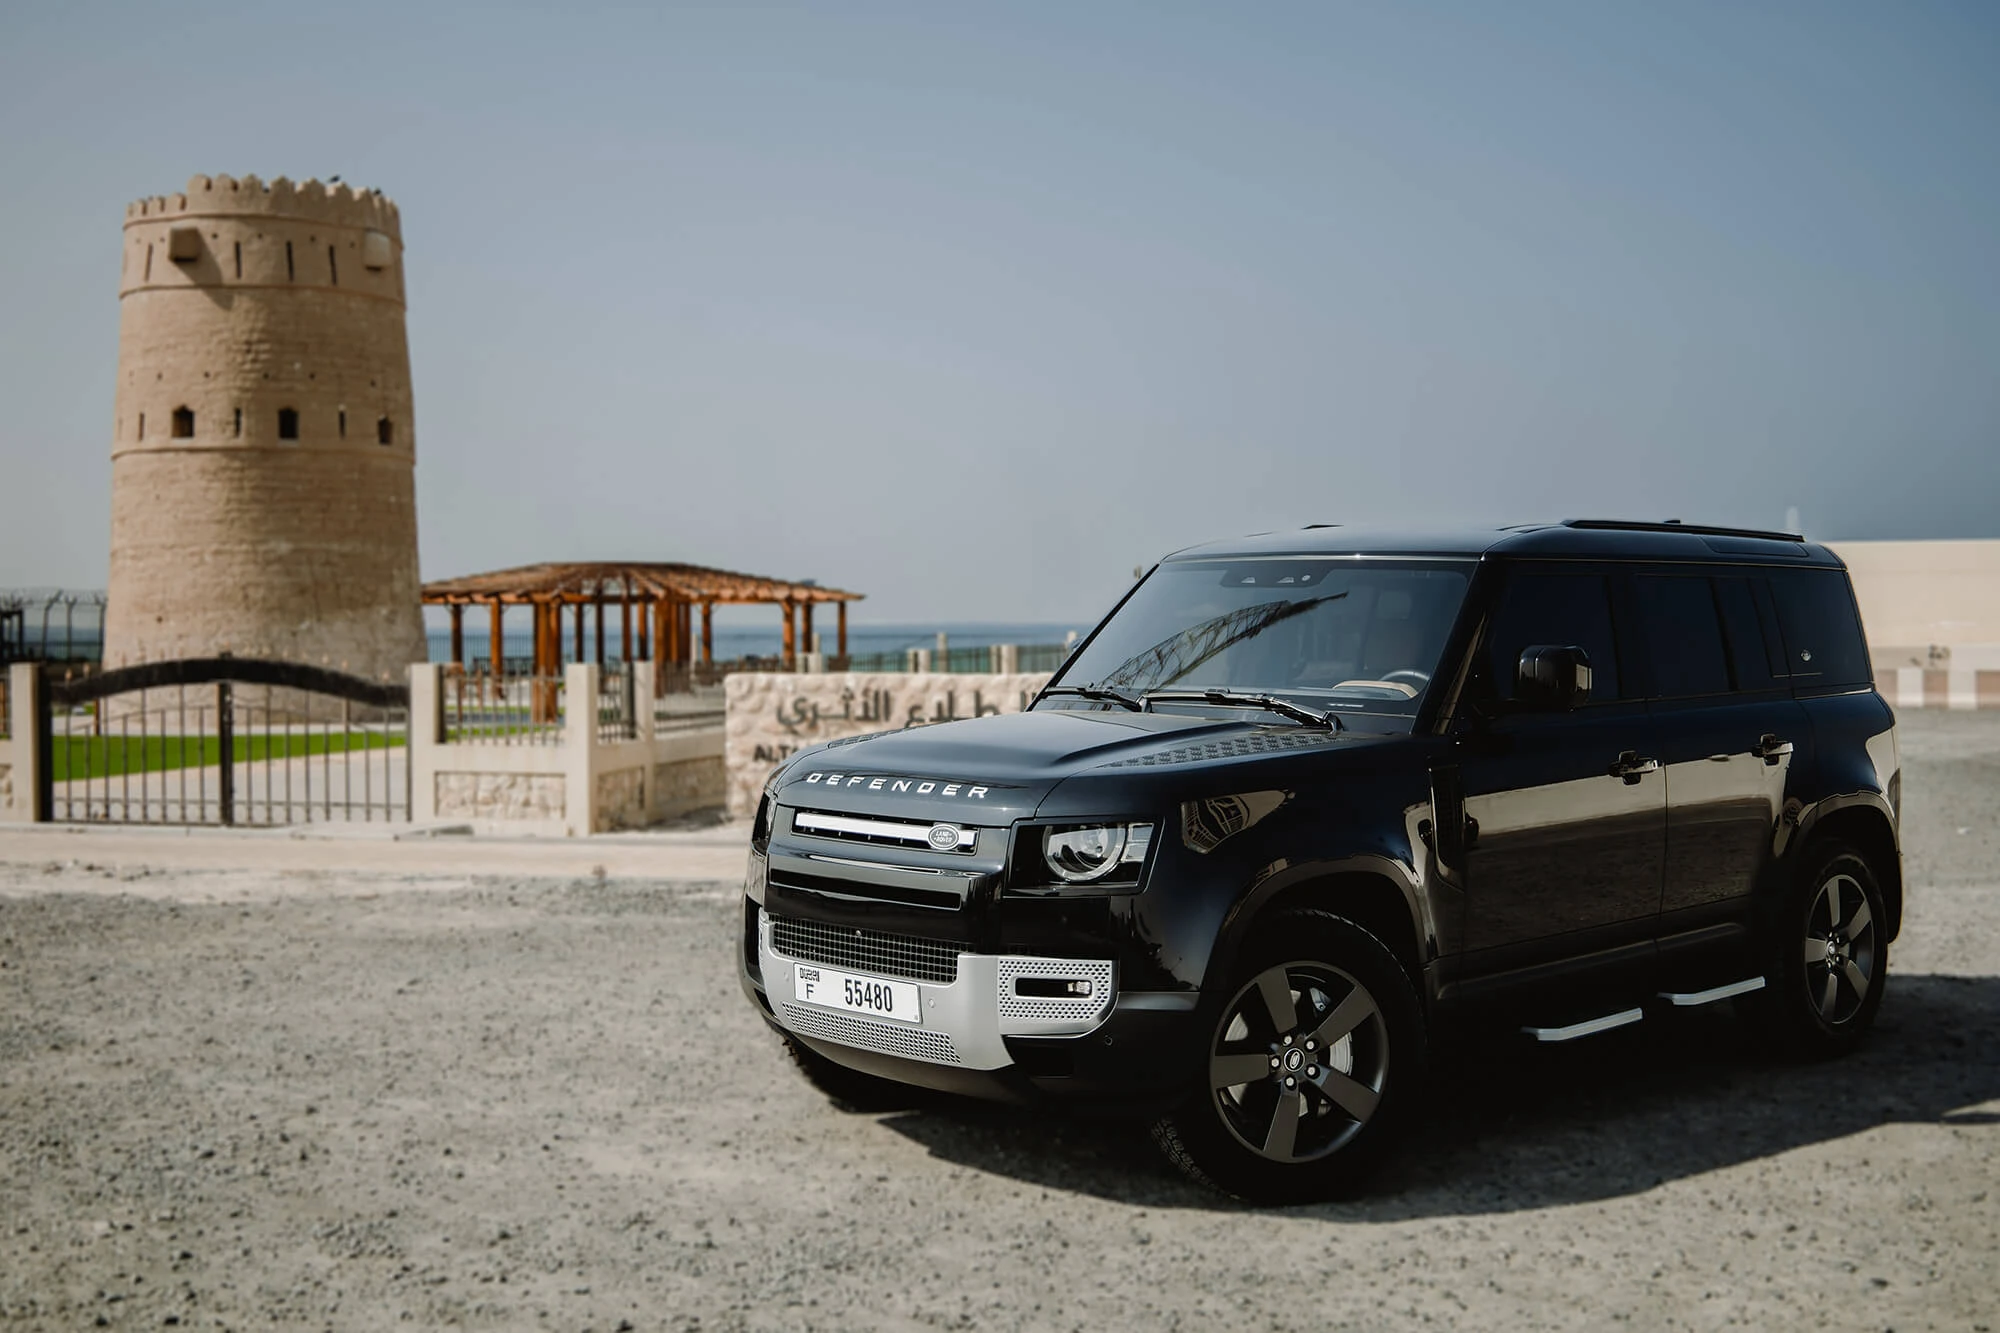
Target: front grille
[(872, 951), (890, 1039), (885, 832)]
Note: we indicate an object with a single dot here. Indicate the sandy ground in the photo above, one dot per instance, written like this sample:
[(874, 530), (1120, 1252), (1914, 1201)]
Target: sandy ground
[(263, 1082)]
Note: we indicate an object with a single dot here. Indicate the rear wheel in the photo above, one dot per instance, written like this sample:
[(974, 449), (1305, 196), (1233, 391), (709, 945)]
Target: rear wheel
[(850, 1089), (1311, 1066), (1830, 956)]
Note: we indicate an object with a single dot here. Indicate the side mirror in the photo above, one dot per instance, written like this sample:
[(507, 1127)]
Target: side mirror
[(1552, 678)]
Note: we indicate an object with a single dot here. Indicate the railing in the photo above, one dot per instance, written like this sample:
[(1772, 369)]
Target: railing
[(1042, 656), (51, 625), (617, 706), (523, 709)]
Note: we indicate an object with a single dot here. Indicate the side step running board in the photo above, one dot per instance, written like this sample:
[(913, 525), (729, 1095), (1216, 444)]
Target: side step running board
[(1588, 1028), (1683, 999)]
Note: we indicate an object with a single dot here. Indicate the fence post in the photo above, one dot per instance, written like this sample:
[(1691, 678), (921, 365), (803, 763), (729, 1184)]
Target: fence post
[(645, 691), (28, 723), (580, 683), (225, 728), (1010, 659), (426, 734)]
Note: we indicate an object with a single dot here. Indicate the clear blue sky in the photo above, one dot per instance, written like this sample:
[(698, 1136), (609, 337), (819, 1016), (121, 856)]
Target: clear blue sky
[(975, 308)]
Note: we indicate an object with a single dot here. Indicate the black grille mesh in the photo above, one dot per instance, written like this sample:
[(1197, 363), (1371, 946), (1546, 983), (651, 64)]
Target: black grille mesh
[(907, 956)]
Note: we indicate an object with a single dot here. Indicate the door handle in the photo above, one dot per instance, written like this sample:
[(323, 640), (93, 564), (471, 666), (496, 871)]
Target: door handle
[(1770, 749), (1631, 767)]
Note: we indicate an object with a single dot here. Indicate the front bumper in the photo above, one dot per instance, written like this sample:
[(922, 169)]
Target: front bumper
[(980, 1036)]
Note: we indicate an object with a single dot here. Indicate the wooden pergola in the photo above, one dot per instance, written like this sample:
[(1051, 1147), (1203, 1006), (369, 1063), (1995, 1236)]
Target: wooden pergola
[(661, 599)]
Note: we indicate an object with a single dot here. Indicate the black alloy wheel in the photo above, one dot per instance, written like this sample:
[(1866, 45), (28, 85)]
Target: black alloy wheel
[(1309, 1064), (1831, 960)]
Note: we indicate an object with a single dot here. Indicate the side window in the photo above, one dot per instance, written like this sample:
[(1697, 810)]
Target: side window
[(1683, 636), (1754, 660), (1822, 629), (1538, 608)]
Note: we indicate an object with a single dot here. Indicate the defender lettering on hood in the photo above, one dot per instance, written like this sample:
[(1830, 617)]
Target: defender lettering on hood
[(915, 786)]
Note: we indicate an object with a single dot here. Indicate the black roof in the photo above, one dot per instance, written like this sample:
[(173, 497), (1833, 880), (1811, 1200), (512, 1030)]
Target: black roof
[(1581, 538)]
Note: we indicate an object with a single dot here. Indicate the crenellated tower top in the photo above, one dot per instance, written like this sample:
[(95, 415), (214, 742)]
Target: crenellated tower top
[(247, 196)]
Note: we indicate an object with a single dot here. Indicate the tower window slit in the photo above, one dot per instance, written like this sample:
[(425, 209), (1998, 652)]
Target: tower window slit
[(183, 428), (239, 422), (239, 259), (385, 431), (291, 272), (288, 423), (142, 425), (343, 423), (333, 266), (149, 265)]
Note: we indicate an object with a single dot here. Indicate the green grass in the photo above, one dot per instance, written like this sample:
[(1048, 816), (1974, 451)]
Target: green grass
[(110, 756)]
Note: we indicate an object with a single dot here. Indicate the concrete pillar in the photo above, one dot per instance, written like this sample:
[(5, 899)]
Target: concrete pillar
[(1909, 687), (1962, 689), (23, 685), (427, 734), (580, 749), (1010, 659), (644, 691)]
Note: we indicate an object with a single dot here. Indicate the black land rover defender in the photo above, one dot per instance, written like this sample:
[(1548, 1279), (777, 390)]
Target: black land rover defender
[(1305, 798)]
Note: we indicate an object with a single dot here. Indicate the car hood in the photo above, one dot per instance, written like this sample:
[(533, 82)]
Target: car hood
[(996, 769)]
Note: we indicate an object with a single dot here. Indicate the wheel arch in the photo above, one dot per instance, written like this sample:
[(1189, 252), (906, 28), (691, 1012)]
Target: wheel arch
[(1867, 825), (1375, 893)]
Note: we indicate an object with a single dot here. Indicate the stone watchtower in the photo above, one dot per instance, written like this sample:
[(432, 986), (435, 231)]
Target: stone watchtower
[(263, 489)]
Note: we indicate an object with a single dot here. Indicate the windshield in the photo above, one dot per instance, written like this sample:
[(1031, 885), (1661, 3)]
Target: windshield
[(1349, 635)]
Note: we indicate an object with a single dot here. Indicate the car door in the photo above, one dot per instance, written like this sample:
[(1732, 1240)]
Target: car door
[(1728, 732), (1567, 809)]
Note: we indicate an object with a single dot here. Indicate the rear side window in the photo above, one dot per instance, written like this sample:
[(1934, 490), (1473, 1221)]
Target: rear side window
[(1821, 628), (1558, 609), (1755, 660), (1683, 636)]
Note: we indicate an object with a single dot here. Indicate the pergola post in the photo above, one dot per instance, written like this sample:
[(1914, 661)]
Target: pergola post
[(498, 651), (458, 638), (578, 654), (625, 621), (662, 648), (600, 629), (548, 646), (708, 633), (842, 618), (806, 633), (788, 659)]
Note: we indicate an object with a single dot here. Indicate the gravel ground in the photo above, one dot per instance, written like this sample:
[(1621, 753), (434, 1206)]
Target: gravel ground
[(249, 1100)]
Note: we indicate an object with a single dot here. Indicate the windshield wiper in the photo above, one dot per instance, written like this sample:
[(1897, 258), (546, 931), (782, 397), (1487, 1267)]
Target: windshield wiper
[(1093, 692), (1238, 698)]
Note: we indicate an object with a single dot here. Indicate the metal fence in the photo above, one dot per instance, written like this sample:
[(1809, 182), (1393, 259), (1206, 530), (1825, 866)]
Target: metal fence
[(51, 625), (219, 741), (617, 705), (506, 709), (6, 708)]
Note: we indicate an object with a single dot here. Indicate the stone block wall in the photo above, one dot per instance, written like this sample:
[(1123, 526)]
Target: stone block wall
[(685, 786), (509, 796), (772, 716), (621, 800)]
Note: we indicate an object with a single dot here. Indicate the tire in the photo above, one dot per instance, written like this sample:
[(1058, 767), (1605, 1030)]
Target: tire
[(850, 1089), (1828, 957), (1325, 1093)]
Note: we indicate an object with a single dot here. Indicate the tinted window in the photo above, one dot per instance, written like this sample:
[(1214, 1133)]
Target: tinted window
[(1559, 609), (1683, 636), (1822, 630), (1754, 659)]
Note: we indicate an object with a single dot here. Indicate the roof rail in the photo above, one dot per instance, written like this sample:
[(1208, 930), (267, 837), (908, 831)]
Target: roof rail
[(1675, 525)]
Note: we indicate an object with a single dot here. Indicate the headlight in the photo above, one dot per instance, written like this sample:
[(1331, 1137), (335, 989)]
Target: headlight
[(1084, 855)]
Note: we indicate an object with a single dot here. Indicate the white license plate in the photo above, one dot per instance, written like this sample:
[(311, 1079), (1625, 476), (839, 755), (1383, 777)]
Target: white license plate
[(876, 997)]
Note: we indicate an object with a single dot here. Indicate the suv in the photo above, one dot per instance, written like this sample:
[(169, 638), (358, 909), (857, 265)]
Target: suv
[(1305, 800)]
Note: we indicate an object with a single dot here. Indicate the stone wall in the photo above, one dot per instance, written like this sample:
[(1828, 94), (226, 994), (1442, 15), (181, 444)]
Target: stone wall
[(686, 786), (240, 302), (773, 716), (621, 800), (533, 796)]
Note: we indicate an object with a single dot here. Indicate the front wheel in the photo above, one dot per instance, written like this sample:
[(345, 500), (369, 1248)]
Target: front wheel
[(1312, 1065)]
